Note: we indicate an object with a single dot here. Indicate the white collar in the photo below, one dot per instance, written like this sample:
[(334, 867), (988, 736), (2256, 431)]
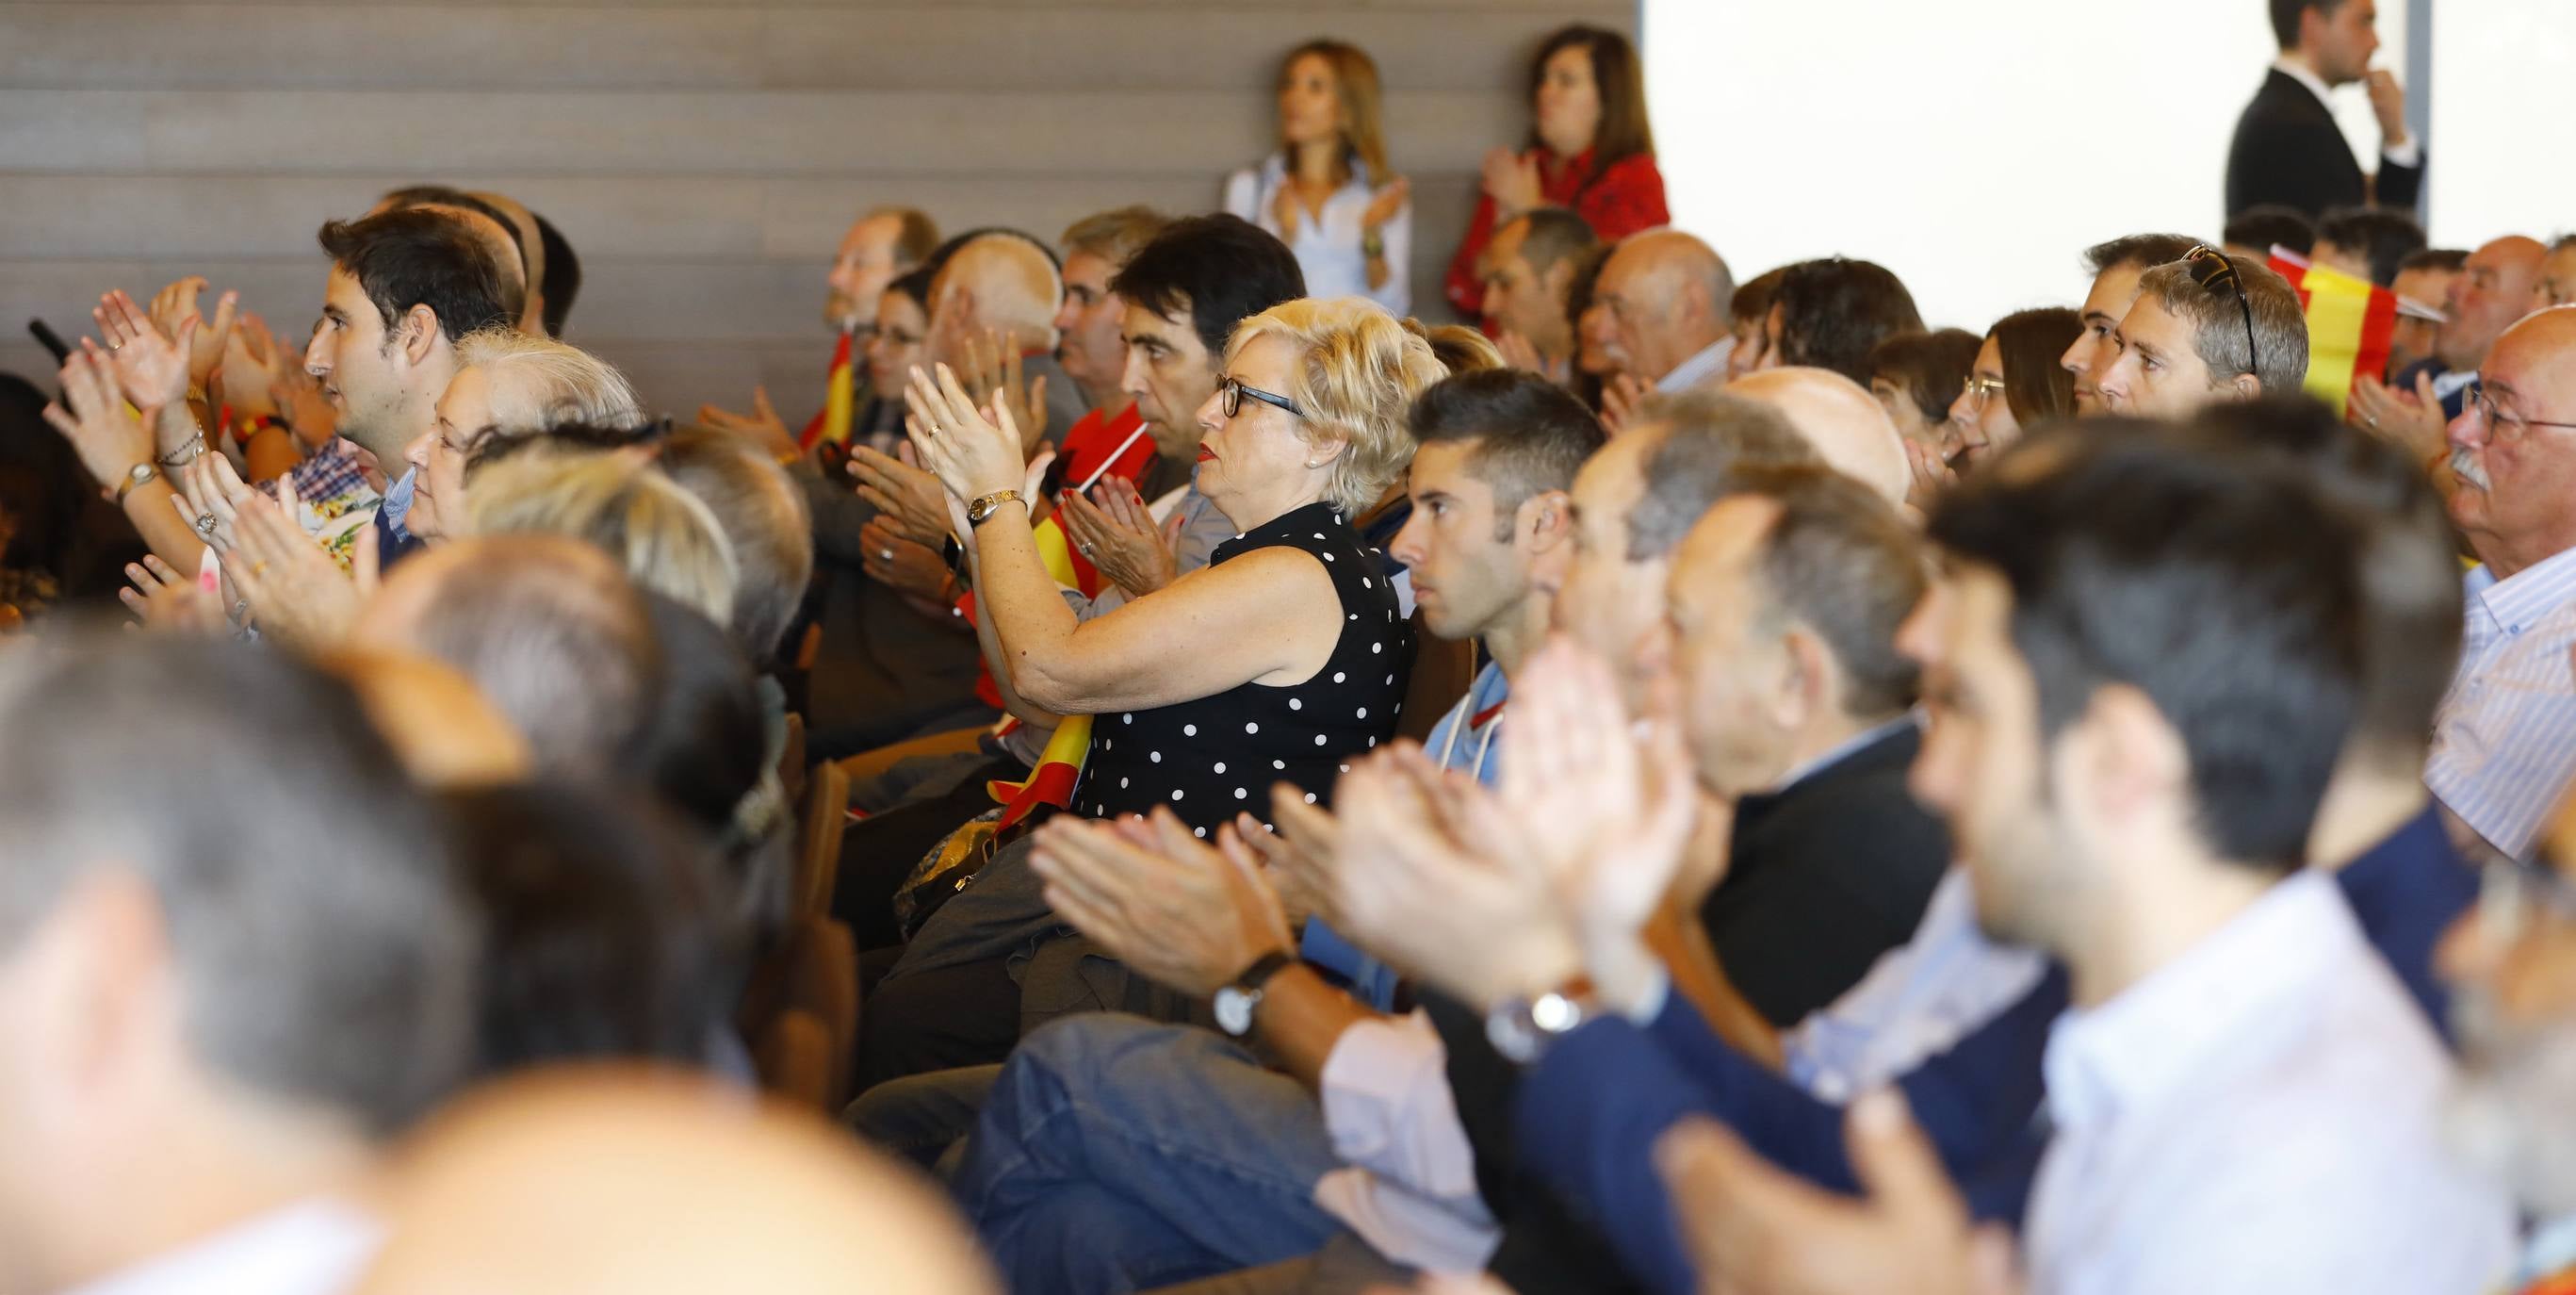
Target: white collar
[(1709, 362), (2298, 71), (2265, 965), (312, 1247), (1845, 749)]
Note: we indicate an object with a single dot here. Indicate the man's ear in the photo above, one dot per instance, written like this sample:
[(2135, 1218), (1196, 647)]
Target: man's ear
[(418, 333), (2245, 386), (1547, 519), (1559, 282), (1810, 682), (2133, 759)]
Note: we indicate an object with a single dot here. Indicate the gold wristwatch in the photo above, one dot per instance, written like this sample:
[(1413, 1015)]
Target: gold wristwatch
[(985, 505)]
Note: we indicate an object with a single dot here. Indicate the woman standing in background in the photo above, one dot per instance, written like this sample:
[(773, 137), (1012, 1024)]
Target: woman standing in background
[(1328, 193), (1589, 150)]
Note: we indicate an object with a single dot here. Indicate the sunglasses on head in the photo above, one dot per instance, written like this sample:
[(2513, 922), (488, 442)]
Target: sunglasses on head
[(2211, 269)]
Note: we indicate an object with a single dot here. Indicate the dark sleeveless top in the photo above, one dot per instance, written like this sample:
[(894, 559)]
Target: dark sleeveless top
[(1209, 759)]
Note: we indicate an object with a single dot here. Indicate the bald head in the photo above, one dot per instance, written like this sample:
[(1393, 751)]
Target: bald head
[(2511, 497), (2493, 290), (1846, 424), (996, 282), (548, 628), (613, 1180), (1668, 294)]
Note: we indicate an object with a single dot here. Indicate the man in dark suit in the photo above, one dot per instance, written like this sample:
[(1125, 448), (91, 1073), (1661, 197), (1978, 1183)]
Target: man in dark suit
[(2288, 149)]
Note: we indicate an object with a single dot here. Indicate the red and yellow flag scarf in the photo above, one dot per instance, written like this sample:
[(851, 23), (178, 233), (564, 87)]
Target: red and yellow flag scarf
[(840, 401)]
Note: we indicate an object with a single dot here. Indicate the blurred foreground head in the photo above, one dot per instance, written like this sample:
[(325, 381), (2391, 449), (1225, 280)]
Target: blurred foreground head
[(627, 1181)]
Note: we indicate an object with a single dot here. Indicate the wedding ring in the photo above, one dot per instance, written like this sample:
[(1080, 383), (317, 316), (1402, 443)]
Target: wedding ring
[(114, 347), (2372, 422), (258, 569), (1085, 546), (206, 525), (885, 555)]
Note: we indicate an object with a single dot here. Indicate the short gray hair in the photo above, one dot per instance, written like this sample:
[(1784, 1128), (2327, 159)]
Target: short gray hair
[(667, 539), (323, 954), (2279, 360), (537, 383), (1116, 235), (765, 521), (1700, 440)]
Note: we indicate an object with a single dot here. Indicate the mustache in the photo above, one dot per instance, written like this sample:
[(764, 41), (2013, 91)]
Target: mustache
[(2465, 466)]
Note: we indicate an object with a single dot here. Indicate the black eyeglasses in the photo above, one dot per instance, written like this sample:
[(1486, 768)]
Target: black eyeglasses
[(1234, 392), (2210, 268)]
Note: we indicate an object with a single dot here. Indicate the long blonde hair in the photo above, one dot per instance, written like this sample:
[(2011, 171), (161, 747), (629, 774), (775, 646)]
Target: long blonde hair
[(1355, 85)]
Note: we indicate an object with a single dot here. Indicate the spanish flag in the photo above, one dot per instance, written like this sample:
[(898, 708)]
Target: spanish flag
[(840, 402), (1059, 767), (2350, 322)]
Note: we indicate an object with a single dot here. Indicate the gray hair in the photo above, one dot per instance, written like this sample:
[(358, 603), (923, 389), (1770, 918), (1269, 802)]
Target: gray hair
[(2279, 359), (666, 538), (323, 956), (765, 521), (537, 383)]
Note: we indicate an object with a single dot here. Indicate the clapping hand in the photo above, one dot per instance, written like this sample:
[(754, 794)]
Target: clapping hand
[(899, 489), (1752, 1227), (973, 452), (1386, 203), (162, 599), (1169, 905), (2410, 420), (174, 310), (1120, 538), (1511, 180), (151, 367), (1620, 397), (107, 436), (994, 373), (294, 586), (1410, 888), (762, 426), (249, 369), (896, 560)]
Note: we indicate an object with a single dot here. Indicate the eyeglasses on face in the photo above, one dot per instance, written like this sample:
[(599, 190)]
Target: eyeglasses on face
[(1234, 391), (2504, 426), (1980, 390), (2210, 268)]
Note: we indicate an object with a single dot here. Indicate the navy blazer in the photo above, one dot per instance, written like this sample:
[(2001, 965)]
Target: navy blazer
[(2288, 150)]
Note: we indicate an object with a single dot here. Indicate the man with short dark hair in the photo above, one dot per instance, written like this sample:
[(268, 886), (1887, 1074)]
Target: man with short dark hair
[(2209, 327), (2255, 231), (2368, 243), (2423, 278), (233, 965), (2115, 267), (1529, 276), (1828, 313), (2288, 149)]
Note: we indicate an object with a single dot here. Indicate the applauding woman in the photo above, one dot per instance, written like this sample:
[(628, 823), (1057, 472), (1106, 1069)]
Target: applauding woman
[(1328, 193), (1279, 661), (1589, 150)]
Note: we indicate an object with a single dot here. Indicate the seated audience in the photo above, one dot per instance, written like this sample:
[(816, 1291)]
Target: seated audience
[(666, 539), (447, 735), (1252, 661), (2204, 329), (2423, 279), (1597, 357), (2255, 231), (1529, 276), (2500, 760), (1328, 192), (1750, 313), (2368, 243), (1828, 314), (220, 1008), (651, 1184), (1589, 151)]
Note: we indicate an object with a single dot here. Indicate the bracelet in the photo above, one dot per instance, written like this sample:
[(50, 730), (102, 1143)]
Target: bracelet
[(1373, 246), (172, 459)]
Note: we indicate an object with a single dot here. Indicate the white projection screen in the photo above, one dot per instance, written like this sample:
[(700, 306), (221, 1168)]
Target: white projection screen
[(1975, 147)]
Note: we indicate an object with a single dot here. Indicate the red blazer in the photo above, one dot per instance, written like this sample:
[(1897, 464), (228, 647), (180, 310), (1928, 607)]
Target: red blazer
[(1627, 197)]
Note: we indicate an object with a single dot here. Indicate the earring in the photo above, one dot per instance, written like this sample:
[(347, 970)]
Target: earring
[(1312, 466)]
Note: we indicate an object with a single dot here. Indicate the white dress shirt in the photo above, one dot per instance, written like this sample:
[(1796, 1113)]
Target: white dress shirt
[(1328, 246), (1917, 1000), (1709, 367), (2504, 742), (1408, 1185), (2259, 1115), (314, 1247), (2410, 153)]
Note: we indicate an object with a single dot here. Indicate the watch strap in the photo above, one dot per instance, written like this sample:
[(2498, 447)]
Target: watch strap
[(1262, 969), (978, 512), (141, 474)]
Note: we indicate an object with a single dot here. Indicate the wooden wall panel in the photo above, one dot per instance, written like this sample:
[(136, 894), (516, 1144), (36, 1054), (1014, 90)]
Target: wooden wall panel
[(704, 155)]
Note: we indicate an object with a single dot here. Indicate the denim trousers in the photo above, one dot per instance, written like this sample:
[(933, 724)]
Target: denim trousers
[(1115, 1154)]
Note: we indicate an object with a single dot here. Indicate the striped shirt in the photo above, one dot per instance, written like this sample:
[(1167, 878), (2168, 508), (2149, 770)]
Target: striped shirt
[(2504, 744)]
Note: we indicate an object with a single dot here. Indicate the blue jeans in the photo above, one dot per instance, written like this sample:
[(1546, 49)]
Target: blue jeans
[(1118, 1155)]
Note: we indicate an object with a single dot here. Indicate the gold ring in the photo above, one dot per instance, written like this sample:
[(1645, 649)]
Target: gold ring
[(258, 569)]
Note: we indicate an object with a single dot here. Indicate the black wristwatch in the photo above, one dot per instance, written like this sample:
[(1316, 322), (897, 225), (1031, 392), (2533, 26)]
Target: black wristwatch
[(1235, 1002)]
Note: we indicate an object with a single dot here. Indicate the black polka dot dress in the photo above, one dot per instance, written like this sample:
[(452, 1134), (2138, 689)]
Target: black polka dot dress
[(1209, 759)]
